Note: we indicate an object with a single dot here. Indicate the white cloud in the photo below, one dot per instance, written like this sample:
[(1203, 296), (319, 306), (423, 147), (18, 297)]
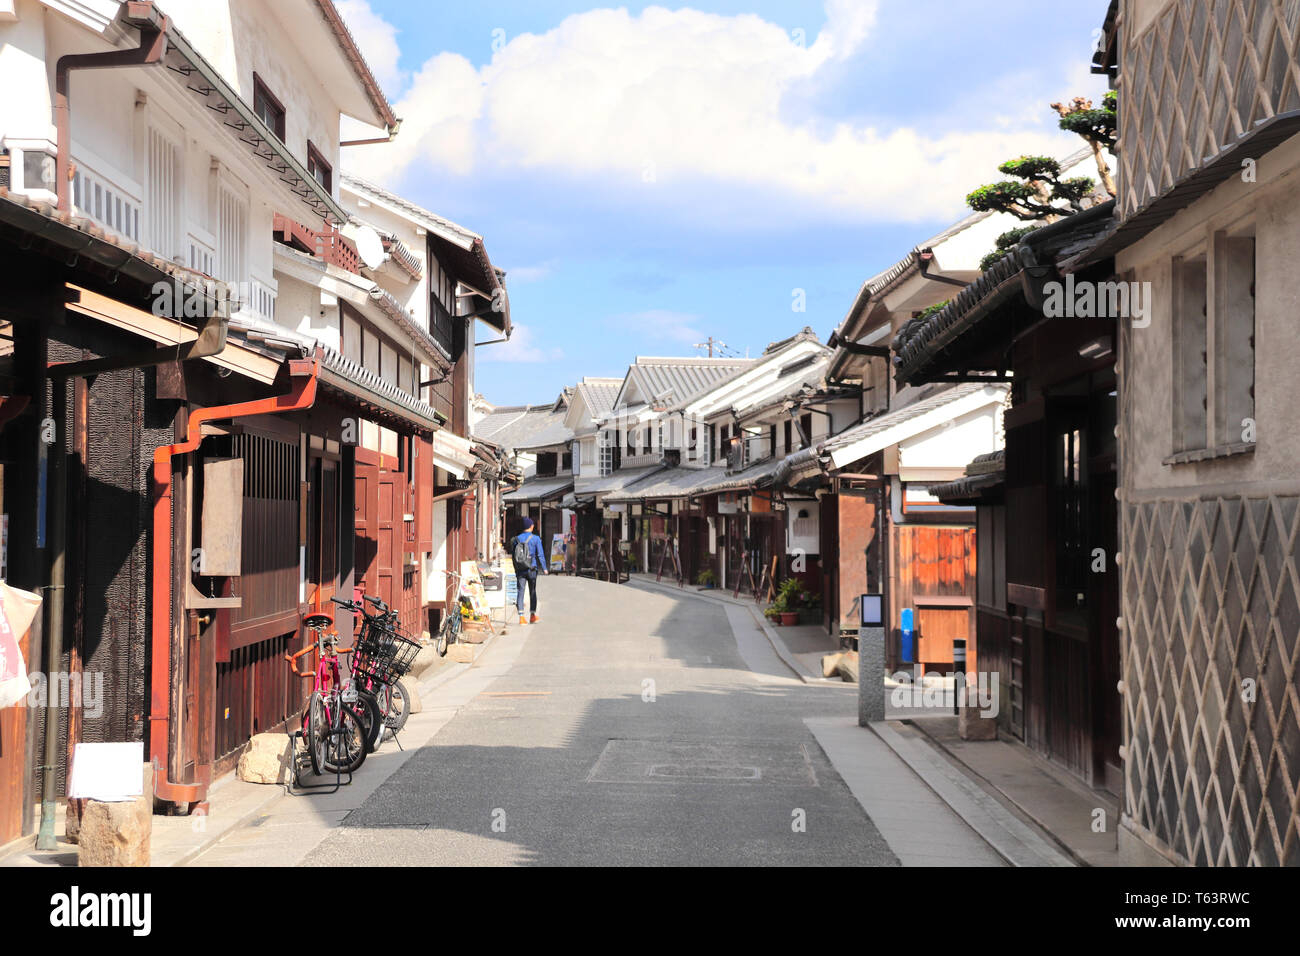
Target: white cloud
[(681, 97), (523, 347), (678, 327), (377, 39), (521, 274)]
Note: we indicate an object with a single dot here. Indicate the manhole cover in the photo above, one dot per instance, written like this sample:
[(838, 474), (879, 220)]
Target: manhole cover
[(712, 761)]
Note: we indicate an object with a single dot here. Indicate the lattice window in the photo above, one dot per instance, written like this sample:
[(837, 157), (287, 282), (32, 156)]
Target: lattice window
[(164, 192), (610, 452), (232, 233)]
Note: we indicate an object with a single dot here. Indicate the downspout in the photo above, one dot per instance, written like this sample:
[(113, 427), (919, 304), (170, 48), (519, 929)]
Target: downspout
[(302, 394), (54, 597), (153, 44), (210, 341)]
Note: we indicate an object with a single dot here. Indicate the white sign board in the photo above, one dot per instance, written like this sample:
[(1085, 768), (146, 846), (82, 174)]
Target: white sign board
[(111, 773)]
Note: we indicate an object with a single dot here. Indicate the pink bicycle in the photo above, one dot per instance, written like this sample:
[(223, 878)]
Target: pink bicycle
[(337, 724)]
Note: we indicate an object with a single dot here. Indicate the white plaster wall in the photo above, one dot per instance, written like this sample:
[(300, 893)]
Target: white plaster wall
[(1273, 202), (955, 443)]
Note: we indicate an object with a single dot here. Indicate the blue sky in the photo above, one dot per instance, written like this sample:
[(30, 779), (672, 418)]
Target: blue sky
[(652, 175)]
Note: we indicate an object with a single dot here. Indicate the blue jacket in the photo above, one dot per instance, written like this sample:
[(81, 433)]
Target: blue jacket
[(537, 557)]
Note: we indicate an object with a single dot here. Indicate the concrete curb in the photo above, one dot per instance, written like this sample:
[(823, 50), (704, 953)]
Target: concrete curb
[(1018, 842), (1001, 795), (778, 645)]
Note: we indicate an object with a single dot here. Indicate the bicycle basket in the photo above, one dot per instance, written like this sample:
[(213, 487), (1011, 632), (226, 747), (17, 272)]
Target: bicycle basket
[(384, 653)]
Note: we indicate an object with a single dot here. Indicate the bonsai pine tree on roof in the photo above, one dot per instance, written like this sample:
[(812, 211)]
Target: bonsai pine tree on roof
[(1039, 193), (1097, 126)]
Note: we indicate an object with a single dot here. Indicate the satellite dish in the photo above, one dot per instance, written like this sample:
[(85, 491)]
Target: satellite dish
[(369, 246)]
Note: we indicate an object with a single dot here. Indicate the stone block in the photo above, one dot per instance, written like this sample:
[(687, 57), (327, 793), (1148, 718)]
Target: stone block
[(426, 658), (267, 759), (971, 726), (118, 834), (831, 664)]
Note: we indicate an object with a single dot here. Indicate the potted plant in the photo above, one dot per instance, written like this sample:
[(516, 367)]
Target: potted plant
[(707, 579), (786, 603), (811, 610)]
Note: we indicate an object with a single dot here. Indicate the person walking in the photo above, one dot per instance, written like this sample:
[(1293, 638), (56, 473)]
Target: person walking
[(530, 561)]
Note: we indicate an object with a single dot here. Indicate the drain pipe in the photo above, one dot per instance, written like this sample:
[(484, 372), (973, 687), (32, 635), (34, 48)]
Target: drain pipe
[(54, 598), (153, 44), (303, 375)]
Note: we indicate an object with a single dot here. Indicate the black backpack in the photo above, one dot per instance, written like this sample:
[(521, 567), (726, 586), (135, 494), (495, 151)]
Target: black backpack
[(521, 553)]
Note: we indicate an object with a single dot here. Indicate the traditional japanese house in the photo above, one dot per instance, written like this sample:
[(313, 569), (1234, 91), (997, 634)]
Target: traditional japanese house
[(897, 538), (431, 283), (717, 504), (275, 400), (1046, 609), (138, 169), (632, 446), (894, 537), (1205, 234)]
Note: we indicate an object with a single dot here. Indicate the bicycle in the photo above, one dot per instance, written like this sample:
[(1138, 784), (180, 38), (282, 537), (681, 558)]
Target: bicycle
[(382, 654), (449, 632), (337, 723)]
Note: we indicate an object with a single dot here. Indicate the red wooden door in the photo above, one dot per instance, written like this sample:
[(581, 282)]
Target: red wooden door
[(366, 522), (389, 535)]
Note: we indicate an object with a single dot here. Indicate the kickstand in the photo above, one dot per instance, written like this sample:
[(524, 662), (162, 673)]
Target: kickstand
[(322, 789)]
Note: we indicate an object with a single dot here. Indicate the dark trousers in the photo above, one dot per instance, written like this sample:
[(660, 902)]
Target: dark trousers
[(526, 576)]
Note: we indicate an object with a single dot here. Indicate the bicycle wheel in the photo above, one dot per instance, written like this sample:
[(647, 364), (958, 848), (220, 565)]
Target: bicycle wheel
[(316, 732), (374, 719), (350, 743), (443, 636), (399, 707)]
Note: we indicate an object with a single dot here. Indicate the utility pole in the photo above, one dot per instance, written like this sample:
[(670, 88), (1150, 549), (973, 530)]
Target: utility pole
[(710, 345)]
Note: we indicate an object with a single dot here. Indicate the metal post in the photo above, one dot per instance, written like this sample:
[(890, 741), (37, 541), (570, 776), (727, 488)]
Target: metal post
[(959, 678)]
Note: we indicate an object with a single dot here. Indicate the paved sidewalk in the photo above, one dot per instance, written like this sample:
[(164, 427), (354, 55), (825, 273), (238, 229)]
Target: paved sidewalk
[(919, 827), (287, 830), (1063, 806), (1016, 840), (255, 808), (801, 647)]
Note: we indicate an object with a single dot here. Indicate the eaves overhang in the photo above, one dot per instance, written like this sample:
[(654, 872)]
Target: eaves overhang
[(941, 339), (1218, 169), (212, 90)]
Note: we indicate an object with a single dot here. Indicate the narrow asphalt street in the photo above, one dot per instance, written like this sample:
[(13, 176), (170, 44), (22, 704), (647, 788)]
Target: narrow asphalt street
[(628, 727)]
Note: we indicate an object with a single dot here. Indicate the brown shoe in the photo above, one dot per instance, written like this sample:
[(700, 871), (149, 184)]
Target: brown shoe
[(534, 619)]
